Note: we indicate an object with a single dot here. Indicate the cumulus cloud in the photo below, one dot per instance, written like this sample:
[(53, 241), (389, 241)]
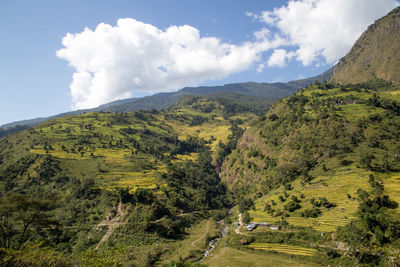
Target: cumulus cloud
[(113, 62), (322, 29), (278, 58)]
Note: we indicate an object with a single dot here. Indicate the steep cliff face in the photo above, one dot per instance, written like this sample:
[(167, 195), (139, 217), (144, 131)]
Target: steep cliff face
[(376, 54)]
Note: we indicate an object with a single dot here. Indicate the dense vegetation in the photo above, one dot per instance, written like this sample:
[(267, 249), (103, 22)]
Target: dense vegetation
[(262, 94), (316, 154), (109, 188), (145, 188), (78, 183), (321, 128)]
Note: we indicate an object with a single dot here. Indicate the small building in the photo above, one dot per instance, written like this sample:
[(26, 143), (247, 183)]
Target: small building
[(275, 227), (251, 226)]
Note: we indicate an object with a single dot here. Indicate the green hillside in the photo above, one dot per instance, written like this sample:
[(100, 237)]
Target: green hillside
[(265, 92), (312, 158), (257, 93), (319, 171), (317, 130), (145, 175)]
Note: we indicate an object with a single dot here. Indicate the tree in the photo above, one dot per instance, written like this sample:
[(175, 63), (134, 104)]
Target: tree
[(246, 217), (292, 206), (377, 224), (245, 204), (22, 218)]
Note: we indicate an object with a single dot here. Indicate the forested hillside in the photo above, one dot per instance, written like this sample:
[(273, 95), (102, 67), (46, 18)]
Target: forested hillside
[(79, 182), (216, 176), (321, 158), (267, 92)]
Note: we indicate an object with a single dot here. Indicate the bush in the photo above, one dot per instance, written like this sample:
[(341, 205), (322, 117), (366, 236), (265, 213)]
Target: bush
[(311, 213), (295, 199), (288, 186), (267, 208), (292, 206), (246, 217)]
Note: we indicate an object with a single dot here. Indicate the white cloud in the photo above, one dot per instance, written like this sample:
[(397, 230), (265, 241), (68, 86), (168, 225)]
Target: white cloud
[(323, 28), (279, 58), (113, 62), (262, 34)]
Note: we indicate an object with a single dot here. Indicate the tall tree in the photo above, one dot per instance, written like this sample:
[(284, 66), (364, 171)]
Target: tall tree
[(23, 218)]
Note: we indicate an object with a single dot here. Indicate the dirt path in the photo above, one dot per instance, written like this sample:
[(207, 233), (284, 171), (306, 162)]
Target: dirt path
[(237, 229), (201, 237), (112, 224)]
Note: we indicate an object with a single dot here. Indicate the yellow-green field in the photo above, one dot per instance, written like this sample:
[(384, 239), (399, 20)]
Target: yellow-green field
[(392, 187), (227, 256), (147, 179), (217, 129), (282, 248), (355, 112), (110, 154), (335, 188), (116, 157), (109, 147)]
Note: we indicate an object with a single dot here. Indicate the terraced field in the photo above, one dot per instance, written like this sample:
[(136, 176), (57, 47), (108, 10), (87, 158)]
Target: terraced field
[(335, 188), (282, 248), (355, 112), (127, 149)]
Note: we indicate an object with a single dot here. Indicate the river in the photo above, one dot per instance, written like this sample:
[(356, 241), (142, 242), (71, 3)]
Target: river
[(213, 243)]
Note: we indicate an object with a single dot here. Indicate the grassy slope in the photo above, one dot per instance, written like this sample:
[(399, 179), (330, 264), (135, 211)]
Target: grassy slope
[(335, 188), (234, 257), (292, 138), (120, 150), (98, 145), (250, 249)]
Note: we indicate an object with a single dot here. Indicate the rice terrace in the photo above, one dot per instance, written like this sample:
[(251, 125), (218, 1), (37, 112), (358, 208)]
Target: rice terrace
[(193, 134)]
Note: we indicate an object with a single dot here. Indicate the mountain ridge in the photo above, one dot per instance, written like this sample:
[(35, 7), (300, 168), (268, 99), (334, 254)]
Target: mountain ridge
[(374, 55), (326, 158), (161, 187), (162, 100)]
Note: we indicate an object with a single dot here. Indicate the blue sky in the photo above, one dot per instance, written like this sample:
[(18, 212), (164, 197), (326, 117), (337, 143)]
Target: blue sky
[(222, 42)]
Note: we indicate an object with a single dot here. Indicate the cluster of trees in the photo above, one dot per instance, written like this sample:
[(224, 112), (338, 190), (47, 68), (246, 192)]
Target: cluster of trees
[(24, 218), (372, 235), (224, 149), (198, 183), (313, 130), (64, 209), (11, 130)]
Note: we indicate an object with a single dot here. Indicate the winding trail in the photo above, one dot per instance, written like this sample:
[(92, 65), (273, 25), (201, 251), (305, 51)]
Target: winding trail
[(112, 224), (237, 229), (201, 237)]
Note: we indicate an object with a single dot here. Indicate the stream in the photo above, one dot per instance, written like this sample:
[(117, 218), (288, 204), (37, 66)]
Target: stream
[(213, 243)]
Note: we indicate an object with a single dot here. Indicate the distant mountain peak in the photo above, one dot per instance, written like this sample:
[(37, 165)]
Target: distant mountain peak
[(158, 101), (376, 54)]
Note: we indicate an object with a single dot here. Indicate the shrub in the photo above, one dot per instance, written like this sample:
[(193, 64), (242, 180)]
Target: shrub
[(311, 213), (292, 206)]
